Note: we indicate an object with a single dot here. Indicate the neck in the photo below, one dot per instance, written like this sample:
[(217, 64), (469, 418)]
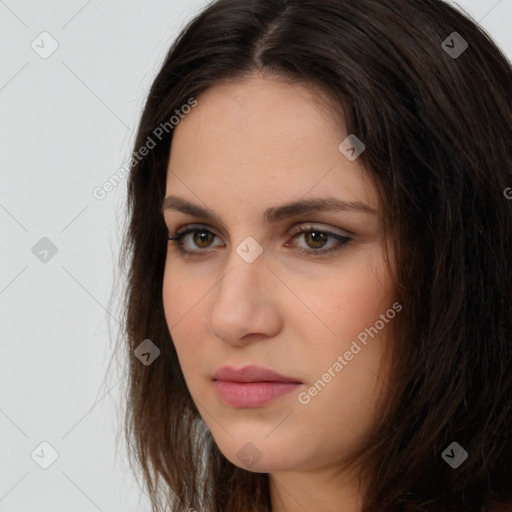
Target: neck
[(321, 490)]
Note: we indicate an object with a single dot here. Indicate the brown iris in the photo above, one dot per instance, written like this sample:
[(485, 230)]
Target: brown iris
[(318, 238), (201, 237)]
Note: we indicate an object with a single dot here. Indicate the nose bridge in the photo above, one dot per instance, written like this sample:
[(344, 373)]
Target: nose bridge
[(245, 272)]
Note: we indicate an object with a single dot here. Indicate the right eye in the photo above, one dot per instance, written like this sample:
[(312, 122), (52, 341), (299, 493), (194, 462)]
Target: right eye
[(201, 238)]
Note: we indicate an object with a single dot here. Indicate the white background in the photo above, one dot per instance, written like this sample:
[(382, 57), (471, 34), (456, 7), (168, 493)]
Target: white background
[(66, 125)]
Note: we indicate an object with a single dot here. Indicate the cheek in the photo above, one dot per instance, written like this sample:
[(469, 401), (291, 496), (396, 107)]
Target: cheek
[(183, 323), (345, 400), (352, 297), (180, 301), (182, 292)]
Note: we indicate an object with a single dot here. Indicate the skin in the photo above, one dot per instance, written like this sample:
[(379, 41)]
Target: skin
[(249, 145)]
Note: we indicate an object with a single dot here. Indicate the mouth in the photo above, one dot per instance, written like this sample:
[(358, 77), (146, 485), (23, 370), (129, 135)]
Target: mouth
[(251, 373), (251, 386)]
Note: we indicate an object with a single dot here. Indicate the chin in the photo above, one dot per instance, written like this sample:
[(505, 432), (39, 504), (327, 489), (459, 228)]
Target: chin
[(262, 456)]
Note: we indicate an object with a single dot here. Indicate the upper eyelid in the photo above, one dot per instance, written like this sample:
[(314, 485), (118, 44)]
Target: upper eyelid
[(307, 226)]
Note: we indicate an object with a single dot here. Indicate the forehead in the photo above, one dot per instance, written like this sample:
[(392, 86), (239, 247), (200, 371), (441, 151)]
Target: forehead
[(252, 138)]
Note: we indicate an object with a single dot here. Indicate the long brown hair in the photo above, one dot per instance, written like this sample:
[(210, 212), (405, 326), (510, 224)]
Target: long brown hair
[(435, 117)]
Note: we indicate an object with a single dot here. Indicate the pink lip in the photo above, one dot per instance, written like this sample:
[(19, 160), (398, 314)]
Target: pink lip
[(251, 386), (251, 373)]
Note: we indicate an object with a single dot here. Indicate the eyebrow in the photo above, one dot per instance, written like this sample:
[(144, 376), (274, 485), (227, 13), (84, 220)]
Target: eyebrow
[(274, 214)]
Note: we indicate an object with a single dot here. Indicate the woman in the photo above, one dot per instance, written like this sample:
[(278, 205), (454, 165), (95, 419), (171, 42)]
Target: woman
[(319, 251)]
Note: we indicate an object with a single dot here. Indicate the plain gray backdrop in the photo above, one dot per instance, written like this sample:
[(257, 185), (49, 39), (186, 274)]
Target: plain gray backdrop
[(68, 115)]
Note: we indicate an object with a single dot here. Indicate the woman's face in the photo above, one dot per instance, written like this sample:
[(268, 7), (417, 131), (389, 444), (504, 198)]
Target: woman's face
[(257, 291)]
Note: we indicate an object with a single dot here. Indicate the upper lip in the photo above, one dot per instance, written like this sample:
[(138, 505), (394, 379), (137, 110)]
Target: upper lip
[(251, 373)]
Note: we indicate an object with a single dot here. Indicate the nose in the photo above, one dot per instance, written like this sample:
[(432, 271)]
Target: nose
[(244, 305)]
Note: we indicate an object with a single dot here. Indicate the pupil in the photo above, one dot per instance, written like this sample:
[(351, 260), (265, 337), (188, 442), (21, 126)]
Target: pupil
[(318, 238), (201, 237)]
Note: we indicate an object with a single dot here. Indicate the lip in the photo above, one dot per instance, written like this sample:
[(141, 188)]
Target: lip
[(251, 386), (251, 373)]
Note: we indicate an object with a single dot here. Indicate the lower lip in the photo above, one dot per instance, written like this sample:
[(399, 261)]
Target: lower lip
[(252, 394)]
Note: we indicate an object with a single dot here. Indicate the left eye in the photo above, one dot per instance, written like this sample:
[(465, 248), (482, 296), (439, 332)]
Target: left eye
[(315, 239)]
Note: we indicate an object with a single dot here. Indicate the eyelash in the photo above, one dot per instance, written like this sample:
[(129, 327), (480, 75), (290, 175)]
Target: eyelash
[(178, 239)]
